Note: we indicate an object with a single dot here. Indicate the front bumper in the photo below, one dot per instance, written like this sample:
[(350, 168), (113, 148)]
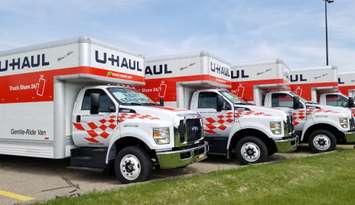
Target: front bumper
[(183, 157), (350, 136), (287, 144)]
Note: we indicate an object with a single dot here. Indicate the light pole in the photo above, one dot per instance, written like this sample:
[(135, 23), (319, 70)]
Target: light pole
[(326, 2)]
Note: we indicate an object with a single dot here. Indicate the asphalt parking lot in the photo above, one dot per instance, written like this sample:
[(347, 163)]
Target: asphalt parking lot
[(24, 180)]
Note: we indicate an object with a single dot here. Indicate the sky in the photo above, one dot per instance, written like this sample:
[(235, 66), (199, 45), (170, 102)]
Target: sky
[(239, 31)]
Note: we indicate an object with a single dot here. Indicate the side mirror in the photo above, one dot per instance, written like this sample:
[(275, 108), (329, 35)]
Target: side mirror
[(220, 104), (351, 102), (296, 104), (95, 103)]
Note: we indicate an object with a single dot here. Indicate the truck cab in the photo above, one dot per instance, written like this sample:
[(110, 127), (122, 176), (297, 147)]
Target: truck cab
[(319, 126), (337, 99), (133, 133), (249, 132)]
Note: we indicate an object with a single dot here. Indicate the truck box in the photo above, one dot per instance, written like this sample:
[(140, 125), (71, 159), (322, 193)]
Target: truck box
[(251, 81), (165, 76), (347, 83), (310, 83)]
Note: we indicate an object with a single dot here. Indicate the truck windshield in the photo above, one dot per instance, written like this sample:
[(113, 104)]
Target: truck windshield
[(128, 96), (233, 98)]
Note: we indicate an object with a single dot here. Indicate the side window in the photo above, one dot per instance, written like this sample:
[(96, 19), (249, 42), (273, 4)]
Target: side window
[(336, 100), (281, 100), (207, 100), (332, 100), (106, 103)]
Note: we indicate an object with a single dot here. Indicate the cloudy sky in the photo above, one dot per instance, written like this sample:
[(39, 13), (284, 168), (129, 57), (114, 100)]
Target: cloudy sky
[(237, 30)]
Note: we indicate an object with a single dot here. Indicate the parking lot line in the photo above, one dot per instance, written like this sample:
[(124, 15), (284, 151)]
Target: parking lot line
[(12, 195)]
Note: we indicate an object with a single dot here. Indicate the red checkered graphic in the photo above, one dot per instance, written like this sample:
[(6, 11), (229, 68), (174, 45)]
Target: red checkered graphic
[(220, 122), (104, 127), (298, 116), (301, 114), (212, 124)]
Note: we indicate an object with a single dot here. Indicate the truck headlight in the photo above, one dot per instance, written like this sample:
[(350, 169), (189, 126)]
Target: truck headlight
[(161, 135), (276, 128), (344, 122)]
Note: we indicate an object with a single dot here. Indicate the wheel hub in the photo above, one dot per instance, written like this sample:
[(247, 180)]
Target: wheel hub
[(250, 152), (321, 142), (130, 167)]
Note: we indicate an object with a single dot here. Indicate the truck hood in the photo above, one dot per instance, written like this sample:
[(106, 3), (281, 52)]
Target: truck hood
[(266, 112), (161, 113), (329, 110)]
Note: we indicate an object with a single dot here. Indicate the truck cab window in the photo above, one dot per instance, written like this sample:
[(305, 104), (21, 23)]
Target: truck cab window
[(282, 100), (207, 100), (106, 103), (336, 100)]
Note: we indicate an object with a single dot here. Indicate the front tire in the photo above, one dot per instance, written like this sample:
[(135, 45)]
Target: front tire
[(251, 150), (321, 141), (133, 164)]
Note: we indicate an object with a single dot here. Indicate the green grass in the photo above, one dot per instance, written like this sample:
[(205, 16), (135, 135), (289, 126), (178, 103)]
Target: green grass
[(324, 179)]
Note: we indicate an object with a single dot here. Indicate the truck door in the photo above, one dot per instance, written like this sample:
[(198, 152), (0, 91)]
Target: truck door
[(286, 102), (218, 118), (92, 128)]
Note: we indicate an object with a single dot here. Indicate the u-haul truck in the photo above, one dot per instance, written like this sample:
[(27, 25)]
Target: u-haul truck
[(232, 127), (61, 100), (320, 85), (251, 81), (320, 126)]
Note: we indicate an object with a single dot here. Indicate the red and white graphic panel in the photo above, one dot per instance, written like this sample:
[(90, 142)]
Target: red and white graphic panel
[(304, 82), (163, 74), (246, 77)]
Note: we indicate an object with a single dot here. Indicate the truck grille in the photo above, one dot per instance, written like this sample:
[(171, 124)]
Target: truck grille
[(190, 130)]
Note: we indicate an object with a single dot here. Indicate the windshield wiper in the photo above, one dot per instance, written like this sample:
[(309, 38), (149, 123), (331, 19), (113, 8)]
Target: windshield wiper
[(132, 103), (153, 104)]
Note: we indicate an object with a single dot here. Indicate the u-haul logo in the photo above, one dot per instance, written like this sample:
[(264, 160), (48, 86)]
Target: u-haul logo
[(117, 61), (297, 78), (239, 74), (219, 69), (340, 81), (19, 63), (161, 69)]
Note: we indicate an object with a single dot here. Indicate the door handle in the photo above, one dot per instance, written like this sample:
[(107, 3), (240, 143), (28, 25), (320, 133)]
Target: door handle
[(78, 118)]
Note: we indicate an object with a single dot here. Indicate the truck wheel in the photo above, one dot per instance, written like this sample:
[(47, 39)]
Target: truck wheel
[(321, 141), (133, 164), (251, 150)]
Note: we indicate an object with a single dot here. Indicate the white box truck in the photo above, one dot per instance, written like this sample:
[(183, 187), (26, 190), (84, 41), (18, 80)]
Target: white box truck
[(232, 127), (63, 99), (344, 97), (319, 126)]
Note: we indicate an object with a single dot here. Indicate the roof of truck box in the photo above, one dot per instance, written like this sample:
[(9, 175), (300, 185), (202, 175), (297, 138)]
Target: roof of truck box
[(186, 55), (81, 39)]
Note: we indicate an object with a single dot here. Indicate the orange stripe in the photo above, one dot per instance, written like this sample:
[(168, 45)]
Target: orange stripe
[(26, 87), (153, 87)]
